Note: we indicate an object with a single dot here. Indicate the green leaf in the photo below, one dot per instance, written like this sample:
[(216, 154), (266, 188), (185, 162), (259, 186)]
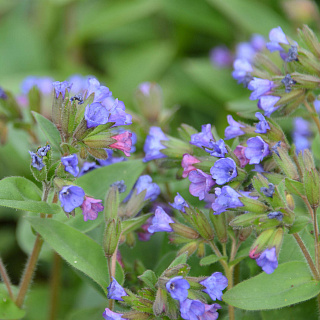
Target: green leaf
[(133, 224), (211, 259), (290, 283), (80, 251), (8, 309), (22, 194), (181, 259), (49, 129), (299, 224), (149, 278)]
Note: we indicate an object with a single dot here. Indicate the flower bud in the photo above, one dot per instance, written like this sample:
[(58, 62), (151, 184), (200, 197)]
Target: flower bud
[(111, 237), (290, 201), (99, 141), (201, 252), (310, 39), (184, 231), (286, 163), (245, 233), (260, 243), (111, 204), (220, 226), (189, 248), (253, 205), (311, 182)]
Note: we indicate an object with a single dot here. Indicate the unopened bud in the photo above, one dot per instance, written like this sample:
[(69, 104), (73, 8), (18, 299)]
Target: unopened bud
[(189, 248), (112, 204), (111, 237), (245, 233), (184, 231), (311, 182), (290, 201), (201, 252), (260, 243), (220, 226), (99, 141)]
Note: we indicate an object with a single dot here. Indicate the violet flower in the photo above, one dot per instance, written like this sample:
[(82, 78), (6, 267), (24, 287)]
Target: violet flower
[(87, 167), (276, 36), (90, 208), (118, 114), (100, 92), (192, 309), (239, 151), (210, 312), (70, 164), (44, 84), (42, 152), (262, 126), (217, 149), (36, 161), (160, 222), (242, 70), (224, 170), (257, 149), (268, 260), (96, 114), (201, 183), (179, 203), (178, 288), (152, 145), (115, 291), (233, 130), (110, 315), (226, 198), (202, 138), (215, 284), (259, 87), (275, 215), (301, 134), (267, 104), (145, 183), (60, 88), (221, 57), (71, 197)]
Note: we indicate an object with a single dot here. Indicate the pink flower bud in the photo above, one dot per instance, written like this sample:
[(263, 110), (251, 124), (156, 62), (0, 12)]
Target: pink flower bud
[(187, 164), (90, 208), (123, 143)]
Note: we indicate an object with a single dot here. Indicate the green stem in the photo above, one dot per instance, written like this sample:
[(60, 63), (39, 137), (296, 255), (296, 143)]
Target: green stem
[(109, 262), (55, 286), (6, 279), (307, 256), (313, 114), (316, 239)]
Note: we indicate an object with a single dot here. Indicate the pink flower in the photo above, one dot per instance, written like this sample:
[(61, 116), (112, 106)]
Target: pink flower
[(123, 143), (187, 164), (239, 152), (90, 208)]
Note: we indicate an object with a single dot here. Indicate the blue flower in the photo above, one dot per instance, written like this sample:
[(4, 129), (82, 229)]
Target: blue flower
[(201, 183), (214, 285), (61, 87), (42, 152), (178, 288), (179, 203), (262, 126), (259, 87), (115, 291), (120, 185), (44, 84), (87, 167), (226, 198), (276, 215), (210, 312), (301, 134), (118, 114), (36, 161), (100, 92), (267, 104), (202, 138), (218, 149), (192, 309), (96, 114), (268, 260), (71, 164), (152, 145), (276, 37), (110, 315), (224, 170), (233, 130), (145, 183), (160, 222), (221, 56), (256, 150), (79, 83), (71, 197), (242, 70)]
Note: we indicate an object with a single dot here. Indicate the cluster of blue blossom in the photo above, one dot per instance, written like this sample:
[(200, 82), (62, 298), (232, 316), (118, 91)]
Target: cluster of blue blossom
[(37, 158), (195, 309)]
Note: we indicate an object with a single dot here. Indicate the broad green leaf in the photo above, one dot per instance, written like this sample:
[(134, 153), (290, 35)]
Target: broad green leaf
[(290, 283), (149, 278), (8, 309), (76, 248), (93, 313), (49, 129), (22, 194), (251, 16), (211, 259)]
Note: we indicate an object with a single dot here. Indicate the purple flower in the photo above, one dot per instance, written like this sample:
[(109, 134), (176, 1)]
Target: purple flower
[(259, 87), (233, 130), (301, 134), (71, 164), (118, 115), (120, 184), (187, 164), (152, 145), (61, 87), (110, 160), (268, 260), (192, 309), (42, 152), (244, 50), (160, 222), (267, 104), (36, 161), (96, 114), (210, 312), (201, 183), (224, 170), (218, 149), (221, 56), (79, 83), (87, 167), (262, 126), (226, 198), (179, 203), (145, 183), (90, 208), (115, 291), (256, 150), (242, 70), (258, 42), (276, 215), (239, 152), (2, 94), (202, 138), (178, 288), (276, 37), (100, 92), (214, 285), (110, 315), (44, 84), (71, 197)]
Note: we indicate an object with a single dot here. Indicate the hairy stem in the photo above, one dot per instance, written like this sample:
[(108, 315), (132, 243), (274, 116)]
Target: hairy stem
[(316, 239), (55, 286), (5, 278), (307, 256), (109, 261), (313, 114)]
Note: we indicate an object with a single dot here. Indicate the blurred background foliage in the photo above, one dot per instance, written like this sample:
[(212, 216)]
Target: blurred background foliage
[(124, 43)]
